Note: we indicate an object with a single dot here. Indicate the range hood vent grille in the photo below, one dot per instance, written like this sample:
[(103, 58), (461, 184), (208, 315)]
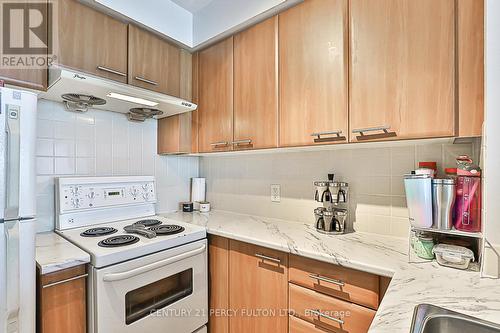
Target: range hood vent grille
[(81, 102)]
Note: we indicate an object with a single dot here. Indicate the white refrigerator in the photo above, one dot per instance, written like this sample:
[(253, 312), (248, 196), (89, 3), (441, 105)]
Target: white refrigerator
[(17, 210)]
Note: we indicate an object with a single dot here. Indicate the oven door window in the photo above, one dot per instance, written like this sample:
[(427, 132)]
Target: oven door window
[(142, 302)]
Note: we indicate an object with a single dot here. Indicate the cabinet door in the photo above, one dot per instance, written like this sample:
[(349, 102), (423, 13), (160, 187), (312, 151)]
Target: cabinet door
[(470, 25), (215, 93), (28, 78), (256, 86), (61, 301), (402, 69), (258, 289), (218, 279), (91, 41), (153, 63), (313, 73)]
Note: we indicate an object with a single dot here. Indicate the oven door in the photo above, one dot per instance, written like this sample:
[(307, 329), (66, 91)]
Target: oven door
[(164, 291)]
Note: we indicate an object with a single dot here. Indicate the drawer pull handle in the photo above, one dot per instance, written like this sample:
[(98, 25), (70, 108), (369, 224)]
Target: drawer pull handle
[(264, 257), (325, 279), (242, 142), (336, 136), (64, 281), (324, 315), (220, 143), (138, 78), (385, 132), (109, 70)]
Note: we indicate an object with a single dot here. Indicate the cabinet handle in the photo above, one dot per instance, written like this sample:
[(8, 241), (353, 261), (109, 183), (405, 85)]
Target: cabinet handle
[(337, 136), (324, 315), (264, 257), (325, 279), (109, 70), (138, 78), (220, 143), (64, 281), (241, 142), (385, 132)]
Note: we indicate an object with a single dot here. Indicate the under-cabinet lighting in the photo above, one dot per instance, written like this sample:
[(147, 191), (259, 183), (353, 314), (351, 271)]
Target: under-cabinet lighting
[(132, 99)]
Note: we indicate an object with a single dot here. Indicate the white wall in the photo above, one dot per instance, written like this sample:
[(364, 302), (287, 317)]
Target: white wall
[(492, 142), (100, 143), (377, 200)]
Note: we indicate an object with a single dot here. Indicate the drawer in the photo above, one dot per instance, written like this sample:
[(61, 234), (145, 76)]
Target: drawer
[(329, 312), (301, 326), (341, 282)]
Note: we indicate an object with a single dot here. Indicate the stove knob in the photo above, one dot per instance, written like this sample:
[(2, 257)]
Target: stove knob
[(145, 187), (91, 195), (146, 196), (134, 192), (75, 202)]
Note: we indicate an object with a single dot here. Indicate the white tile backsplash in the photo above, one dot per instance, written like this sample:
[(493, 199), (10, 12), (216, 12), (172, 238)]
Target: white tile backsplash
[(100, 143), (241, 183)]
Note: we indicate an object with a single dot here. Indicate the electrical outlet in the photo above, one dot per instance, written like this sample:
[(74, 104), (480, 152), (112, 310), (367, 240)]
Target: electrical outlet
[(275, 192)]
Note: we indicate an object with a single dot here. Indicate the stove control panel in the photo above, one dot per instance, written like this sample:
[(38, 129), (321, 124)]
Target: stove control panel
[(87, 193)]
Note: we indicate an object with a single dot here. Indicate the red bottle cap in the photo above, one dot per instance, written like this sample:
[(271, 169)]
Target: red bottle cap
[(428, 165)]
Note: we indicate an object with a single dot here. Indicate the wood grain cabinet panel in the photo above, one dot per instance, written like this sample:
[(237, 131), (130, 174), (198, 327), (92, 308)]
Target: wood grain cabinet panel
[(27, 78), (329, 312), (218, 279), (297, 325), (256, 86), (61, 301), (341, 282), (258, 289), (313, 56), (153, 63), (470, 25), (402, 68), (215, 93), (91, 41)]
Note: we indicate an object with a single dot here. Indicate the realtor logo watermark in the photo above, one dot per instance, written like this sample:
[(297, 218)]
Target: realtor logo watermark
[(28, 34)]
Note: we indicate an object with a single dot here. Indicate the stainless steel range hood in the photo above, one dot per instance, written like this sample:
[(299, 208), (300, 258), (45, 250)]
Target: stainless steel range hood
[(119, 97)]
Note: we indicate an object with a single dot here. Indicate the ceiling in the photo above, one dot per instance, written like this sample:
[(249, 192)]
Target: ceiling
[(193, 24), (192, 5)]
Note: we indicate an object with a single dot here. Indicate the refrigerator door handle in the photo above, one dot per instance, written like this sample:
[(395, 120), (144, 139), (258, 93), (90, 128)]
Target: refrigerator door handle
[(13, 275), (13, 149)]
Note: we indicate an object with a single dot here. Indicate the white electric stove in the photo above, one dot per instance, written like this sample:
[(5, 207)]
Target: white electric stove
[(152, 275)]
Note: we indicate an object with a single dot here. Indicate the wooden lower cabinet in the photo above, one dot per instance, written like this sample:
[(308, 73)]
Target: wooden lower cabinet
[(218, 279), (341, 282), (61, 301), (331, 313), (258, 289), (297, 325)]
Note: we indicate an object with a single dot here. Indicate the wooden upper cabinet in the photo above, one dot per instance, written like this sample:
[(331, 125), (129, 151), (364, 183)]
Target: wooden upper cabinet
[(91, 41), (257, 282), (470, 25), (28, 78), (215, 93), (313, 72), (402, 72), (153, 63), (256, 86)]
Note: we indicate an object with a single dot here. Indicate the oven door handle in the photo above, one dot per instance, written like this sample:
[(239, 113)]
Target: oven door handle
[(140, 270)]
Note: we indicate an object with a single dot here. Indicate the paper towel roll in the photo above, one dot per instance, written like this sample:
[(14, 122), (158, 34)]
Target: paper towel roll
[(197, 191)]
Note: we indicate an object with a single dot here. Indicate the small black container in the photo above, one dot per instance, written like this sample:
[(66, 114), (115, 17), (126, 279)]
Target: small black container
[(187, 207)]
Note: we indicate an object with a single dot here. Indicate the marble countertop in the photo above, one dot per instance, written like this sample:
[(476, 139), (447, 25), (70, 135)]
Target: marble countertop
[(411, 284), (54, 253)]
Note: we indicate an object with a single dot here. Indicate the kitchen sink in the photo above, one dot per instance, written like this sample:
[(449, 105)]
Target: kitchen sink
[(429, 318)]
